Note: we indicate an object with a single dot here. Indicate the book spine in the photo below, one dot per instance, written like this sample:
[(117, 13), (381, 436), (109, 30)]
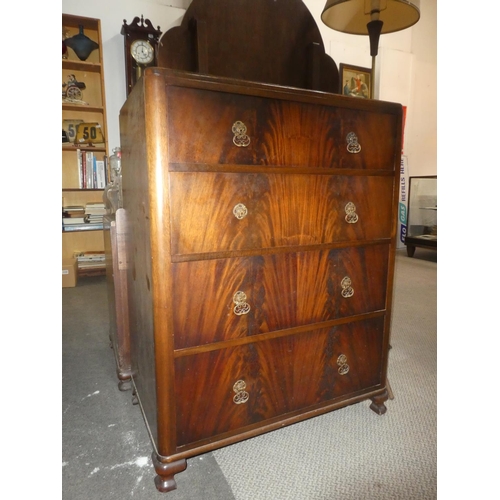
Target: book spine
[(101, 180), (84, 170), (90, 177), (94, 171), (106, 172), (80, 168)]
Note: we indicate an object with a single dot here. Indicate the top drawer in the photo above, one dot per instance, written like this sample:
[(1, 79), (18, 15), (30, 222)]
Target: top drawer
[(208, 127)]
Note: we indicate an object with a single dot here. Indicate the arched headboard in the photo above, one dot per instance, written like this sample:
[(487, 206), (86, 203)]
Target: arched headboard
[(268, 41)]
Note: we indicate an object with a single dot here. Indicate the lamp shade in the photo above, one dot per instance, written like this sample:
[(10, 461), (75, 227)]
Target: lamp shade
[(352, 16)]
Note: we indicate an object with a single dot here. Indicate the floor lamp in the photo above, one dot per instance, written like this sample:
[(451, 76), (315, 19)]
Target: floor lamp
[(372, 18)]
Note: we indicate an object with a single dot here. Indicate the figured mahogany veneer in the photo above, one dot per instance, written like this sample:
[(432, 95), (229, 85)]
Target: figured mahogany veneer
[(260, 256), (283, 210), (282, 133)]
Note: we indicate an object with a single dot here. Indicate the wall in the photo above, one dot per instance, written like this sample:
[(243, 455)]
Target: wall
[(406, 64)]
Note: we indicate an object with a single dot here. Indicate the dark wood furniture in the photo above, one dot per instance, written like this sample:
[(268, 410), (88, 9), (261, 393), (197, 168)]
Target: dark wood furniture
[(116, 275), (261, 234), (142, 30), (253, 40)]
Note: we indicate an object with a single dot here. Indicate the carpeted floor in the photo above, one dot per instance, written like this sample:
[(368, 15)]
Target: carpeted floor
[(349, 454)]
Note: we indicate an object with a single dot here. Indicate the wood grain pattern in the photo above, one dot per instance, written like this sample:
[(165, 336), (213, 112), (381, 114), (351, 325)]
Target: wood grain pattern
[(283, 210), (116, 277), (253, 40), (281, 376), (187, 254), (283, 291), (282, 133)]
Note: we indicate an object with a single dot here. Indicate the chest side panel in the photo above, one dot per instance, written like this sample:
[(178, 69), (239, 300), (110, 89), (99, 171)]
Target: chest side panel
[(138, 252)]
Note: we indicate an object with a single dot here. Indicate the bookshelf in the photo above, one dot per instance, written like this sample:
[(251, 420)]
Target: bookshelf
[(84, 120)]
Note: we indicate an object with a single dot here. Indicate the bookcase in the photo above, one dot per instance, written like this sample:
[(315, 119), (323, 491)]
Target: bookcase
[(83, 102)]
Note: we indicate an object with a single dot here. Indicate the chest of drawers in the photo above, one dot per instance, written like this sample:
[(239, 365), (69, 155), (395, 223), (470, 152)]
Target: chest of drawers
[(261, 226)]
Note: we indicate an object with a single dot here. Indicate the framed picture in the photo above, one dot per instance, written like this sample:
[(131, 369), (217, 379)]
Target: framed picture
[(355, 81)]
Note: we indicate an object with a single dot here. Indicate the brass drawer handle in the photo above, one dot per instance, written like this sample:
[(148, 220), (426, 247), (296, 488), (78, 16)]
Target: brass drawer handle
[(347, 290), (241, 395), (240, 138), (351, 216), (240, 211), (343, 366), (241, 306), (353, 145)]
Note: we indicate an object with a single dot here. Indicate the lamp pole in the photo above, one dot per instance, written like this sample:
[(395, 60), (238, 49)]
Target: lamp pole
[(374, 29)]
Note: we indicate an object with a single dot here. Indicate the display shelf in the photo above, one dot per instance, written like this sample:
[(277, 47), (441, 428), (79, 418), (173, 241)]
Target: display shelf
[(89, 108), (422, 214)]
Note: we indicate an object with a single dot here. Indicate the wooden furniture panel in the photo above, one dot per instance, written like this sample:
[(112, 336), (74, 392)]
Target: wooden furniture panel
[(252, 40), (279, 376), (313, 254), (283, 290), (116, 274), (279, 132), (375, 136), (283, 210)]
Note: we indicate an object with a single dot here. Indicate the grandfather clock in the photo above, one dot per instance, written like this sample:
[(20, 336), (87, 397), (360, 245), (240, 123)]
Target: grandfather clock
[(141, 48)]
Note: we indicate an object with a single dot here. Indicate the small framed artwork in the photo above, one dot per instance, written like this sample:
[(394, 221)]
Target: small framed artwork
[(355, 81)]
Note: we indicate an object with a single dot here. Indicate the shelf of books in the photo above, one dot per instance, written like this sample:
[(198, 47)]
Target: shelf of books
[(84, 144)]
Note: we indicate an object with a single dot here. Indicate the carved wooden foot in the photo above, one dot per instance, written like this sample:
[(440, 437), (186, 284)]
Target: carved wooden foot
[(125, 385), (378, 405), (135, 399), (165, 481)]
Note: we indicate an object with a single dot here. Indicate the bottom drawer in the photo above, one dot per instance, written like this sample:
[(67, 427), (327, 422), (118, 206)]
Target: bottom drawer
[(224, 390)]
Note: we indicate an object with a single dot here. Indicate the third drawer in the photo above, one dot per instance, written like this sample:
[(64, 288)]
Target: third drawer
[(224, 299)]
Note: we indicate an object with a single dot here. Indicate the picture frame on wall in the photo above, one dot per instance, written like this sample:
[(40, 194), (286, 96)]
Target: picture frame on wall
[(355, 81)]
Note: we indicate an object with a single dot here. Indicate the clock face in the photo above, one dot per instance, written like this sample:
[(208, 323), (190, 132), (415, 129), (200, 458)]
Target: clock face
[(142, 51)]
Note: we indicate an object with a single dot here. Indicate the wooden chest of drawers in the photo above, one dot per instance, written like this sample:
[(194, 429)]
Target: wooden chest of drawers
[(261, 224)]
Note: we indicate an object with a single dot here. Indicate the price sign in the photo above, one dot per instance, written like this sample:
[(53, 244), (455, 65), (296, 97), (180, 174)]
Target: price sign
[(89, 133), (70, 126)]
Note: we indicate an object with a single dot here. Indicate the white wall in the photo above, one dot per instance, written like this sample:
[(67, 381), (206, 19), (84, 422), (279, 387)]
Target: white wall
[(406, 64)]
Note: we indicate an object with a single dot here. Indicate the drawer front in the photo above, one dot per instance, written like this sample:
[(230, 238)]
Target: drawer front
[(280, 291), (369, 140), (213, 212), (222, 391), (276, 132)]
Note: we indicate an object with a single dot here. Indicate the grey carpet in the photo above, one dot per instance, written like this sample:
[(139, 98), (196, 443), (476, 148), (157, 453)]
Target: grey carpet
[(106, 452), (350, 454)]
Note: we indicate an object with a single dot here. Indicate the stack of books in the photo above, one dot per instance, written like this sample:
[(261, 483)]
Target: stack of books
[(90, 261), (73, 217), (94, 213)]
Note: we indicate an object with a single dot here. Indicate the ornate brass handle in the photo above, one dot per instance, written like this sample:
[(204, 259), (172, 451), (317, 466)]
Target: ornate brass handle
[(343, 366), (351, 216), (240, 211), (241, 306), (241, 395), (347, 290), (240, 138), (353, 145)]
